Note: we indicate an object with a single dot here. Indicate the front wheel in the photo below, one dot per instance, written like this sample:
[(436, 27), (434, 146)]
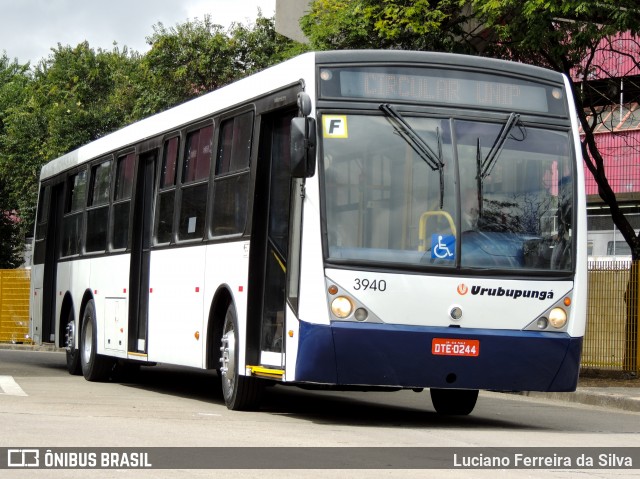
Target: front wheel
[(239, 392), (94, 366), (454, 402)]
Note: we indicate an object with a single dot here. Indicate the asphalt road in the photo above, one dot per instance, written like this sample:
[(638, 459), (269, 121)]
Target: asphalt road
[(174, 407)]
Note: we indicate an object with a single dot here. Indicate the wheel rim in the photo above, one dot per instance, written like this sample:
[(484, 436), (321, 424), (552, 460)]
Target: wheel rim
[(227, 356), (70, 337), (87, 345)]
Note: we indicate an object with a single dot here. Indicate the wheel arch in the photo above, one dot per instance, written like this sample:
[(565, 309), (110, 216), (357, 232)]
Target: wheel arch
[(86, 297), (67, 307), (221, 301)]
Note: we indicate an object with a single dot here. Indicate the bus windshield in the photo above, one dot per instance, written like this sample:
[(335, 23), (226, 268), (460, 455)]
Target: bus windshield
[(501, 197)]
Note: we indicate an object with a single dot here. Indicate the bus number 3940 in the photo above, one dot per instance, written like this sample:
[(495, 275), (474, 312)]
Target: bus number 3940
[(374, 285)]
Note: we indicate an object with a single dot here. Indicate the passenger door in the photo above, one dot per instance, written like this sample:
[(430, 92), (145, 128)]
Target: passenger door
[(270, 239), (47, 250), (140, 253)]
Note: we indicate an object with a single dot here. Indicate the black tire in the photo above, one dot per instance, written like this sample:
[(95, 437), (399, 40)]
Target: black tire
[(241, 393), (454, 402), (72, 353), (94, 366)]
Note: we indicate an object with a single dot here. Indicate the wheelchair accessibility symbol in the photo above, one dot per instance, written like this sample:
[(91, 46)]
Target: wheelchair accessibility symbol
[(443, 247)]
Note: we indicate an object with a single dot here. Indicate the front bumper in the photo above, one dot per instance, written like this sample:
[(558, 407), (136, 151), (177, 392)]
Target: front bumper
[(360, 354)]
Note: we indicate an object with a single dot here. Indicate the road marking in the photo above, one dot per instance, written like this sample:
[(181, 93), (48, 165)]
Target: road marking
[(10, 387)]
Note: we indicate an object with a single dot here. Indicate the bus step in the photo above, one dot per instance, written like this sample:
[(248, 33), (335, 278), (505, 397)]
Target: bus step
[(263, 372)]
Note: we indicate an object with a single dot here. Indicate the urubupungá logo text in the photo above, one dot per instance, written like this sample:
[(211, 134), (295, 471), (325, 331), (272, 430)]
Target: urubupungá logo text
[(511, 293)]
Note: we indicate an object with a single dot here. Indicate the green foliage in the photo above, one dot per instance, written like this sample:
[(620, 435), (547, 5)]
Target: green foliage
[(184, 62), (387, 24), (557, 34), (14, 81), (258, 46), (339, 24), (74, 96), (197, 57), (79, 94), (11, 244)]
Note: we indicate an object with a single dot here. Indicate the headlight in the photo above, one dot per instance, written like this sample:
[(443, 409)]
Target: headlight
[(341, 307), (557, 318)]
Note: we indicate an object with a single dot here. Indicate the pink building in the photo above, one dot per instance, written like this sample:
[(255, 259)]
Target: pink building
[(615, 82)]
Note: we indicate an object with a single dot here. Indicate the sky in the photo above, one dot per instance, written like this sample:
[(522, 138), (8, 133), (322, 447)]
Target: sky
[(29, 29)]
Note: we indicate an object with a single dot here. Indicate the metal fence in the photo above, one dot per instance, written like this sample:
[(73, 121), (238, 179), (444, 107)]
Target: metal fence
[(14, 305), (611, 338)]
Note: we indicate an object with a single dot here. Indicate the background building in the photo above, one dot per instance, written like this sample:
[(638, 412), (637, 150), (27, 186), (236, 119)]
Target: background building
[(615, 90), (288, 14)]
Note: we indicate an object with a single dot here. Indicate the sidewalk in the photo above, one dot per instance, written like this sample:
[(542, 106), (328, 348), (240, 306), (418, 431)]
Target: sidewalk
[(624, 398), (606, 392)]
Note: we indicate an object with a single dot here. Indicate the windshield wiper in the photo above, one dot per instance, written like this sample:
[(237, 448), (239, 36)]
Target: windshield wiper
[(432, 158), (490, 161), (485, 166)]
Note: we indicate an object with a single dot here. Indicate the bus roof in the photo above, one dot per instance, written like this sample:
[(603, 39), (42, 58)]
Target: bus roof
[(271, 79), (268, 80), (435, 58)]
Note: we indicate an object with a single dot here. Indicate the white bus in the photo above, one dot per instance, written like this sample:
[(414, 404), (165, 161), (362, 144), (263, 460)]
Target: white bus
[(351, 219)]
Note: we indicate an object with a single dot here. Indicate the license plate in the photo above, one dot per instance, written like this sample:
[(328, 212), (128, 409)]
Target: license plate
[(455, 347)]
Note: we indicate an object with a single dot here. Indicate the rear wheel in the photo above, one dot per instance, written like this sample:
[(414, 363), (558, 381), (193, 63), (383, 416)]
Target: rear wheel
[(239, 392), (454, 402), (94, 366), (72, 353)]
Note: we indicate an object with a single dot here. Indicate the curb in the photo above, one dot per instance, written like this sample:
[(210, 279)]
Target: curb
[(30, 347), (594, 397)]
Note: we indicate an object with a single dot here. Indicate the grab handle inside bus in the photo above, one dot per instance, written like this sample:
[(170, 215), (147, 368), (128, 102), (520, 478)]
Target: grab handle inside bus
[(303, 147)]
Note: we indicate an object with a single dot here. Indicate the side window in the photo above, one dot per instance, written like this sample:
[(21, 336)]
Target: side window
[(195, 176), (42, 213), (98, 208), (122, 200), (75, 199), (234, 147), (42, 218), (167, 192), (197, 158), (231, 182), (280, 184)]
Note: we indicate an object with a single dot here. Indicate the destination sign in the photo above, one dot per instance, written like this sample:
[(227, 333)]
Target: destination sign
[(444, 87)]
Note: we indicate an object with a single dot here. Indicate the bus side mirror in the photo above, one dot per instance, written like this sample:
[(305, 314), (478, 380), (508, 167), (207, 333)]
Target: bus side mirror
[(303, 147)]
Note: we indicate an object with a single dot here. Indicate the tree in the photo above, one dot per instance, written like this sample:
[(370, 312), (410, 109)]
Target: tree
[(78, 94), (259, 46), (11, 242), (74, 96), (565, 36), (14, 79), (199, 56), (390, 24)]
